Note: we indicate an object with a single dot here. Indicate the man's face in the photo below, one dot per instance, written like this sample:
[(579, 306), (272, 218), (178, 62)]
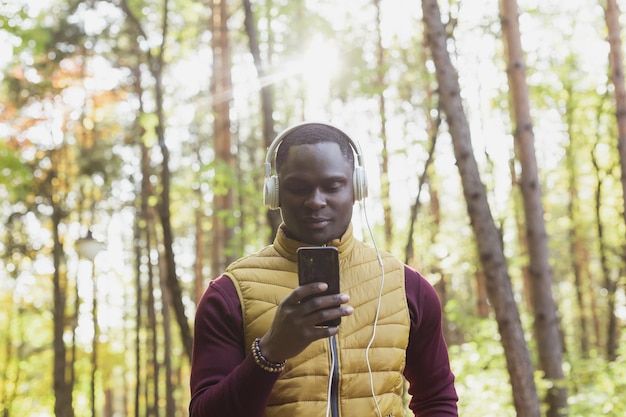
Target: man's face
[(316, 192)]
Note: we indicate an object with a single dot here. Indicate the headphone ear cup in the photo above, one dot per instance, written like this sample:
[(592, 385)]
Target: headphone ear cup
[(270, 192), (360, 183)]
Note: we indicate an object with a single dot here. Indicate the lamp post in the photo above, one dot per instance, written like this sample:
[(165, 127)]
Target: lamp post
[(88, 248)]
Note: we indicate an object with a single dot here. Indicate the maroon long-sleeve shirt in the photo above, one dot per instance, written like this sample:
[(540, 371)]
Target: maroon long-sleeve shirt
[(225, 381)]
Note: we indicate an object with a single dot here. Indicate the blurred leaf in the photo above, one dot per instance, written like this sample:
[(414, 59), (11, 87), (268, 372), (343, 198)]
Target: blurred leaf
[(16, 177)]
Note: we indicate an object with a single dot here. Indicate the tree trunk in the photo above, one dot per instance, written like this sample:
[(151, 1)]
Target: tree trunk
[(156, 68), (579, 260), (518, 212), (199, 234), (384, 154), (153, 368), (546, 324), (94, 342), (596, 282), (138, 312), (267, 101), (198, 266), (164, 206), (140, 234), (577, 249), (609, 285), (488, 238), (170, 404), (616, 66), (434, 123), (221, 91), (434, 133), (62, 390)]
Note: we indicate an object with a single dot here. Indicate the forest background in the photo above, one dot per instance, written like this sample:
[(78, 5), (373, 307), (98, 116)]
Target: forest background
[(133, 141)]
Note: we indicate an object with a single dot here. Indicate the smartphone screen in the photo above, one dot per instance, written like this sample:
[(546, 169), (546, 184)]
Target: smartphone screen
[(320, 264)]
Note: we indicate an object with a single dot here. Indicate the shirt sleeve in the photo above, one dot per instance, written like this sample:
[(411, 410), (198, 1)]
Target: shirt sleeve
[(431, 381), (225, 381)]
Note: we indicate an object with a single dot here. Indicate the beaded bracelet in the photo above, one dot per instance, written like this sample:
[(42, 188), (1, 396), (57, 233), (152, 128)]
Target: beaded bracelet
[(264, 363)]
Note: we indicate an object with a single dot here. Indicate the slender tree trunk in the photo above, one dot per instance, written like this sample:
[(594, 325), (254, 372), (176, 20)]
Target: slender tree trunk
[(597, 282), (96, 335), (434, 133), (221, 89), (153, 371), (62, 390), (609, 284), (76, 313), (138, 312), (140, 233), (109, 401), (199, 233), (452, 335), (267, 101), (170, 404), (616, 65), (198, 266), (577, 249), (546, 325), (156, 68), (164, 205), (487, 235), (578, 262), (434, 123), (521, 235), (384, 155)]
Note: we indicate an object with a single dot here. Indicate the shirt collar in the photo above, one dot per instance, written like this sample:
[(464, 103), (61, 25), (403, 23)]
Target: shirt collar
[(287, 247)]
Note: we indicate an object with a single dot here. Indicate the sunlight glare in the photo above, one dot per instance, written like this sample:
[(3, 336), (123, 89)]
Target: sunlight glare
[(318, 65)]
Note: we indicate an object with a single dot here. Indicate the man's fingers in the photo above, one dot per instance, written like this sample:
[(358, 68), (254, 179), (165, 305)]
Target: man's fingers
[(306, 290)]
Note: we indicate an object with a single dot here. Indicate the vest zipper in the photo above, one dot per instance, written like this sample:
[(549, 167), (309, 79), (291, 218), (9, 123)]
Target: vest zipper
[(334, 387)]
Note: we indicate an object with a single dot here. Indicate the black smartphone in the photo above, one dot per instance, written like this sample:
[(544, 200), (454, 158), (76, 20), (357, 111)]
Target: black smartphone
[(320, 264)]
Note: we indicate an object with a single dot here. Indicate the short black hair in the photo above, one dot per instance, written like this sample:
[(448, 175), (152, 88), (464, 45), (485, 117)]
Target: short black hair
[(310, 134)]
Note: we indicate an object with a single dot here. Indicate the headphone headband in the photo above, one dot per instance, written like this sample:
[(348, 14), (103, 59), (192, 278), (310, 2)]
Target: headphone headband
[(271, 150), (270, 192)]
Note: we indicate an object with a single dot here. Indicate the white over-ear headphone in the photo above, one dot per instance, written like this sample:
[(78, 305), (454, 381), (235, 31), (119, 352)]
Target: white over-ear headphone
[(270, 189)]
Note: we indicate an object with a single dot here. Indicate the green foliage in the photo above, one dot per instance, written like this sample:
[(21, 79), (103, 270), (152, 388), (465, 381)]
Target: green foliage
[(25, 338), (43, 44), (15, 177), (596, 387), (482, 381)]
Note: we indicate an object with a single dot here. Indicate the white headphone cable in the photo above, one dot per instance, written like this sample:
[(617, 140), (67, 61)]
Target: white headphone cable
[(330, 379), (380, 294)]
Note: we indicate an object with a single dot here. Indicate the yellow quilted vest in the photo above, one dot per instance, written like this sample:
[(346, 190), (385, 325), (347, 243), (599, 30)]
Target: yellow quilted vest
[(265, 278)]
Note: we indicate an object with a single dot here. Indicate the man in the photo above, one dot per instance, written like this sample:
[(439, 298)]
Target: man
[(257, 349)]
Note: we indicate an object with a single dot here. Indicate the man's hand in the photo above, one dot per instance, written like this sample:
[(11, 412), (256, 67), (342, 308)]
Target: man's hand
[(294, 327)]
